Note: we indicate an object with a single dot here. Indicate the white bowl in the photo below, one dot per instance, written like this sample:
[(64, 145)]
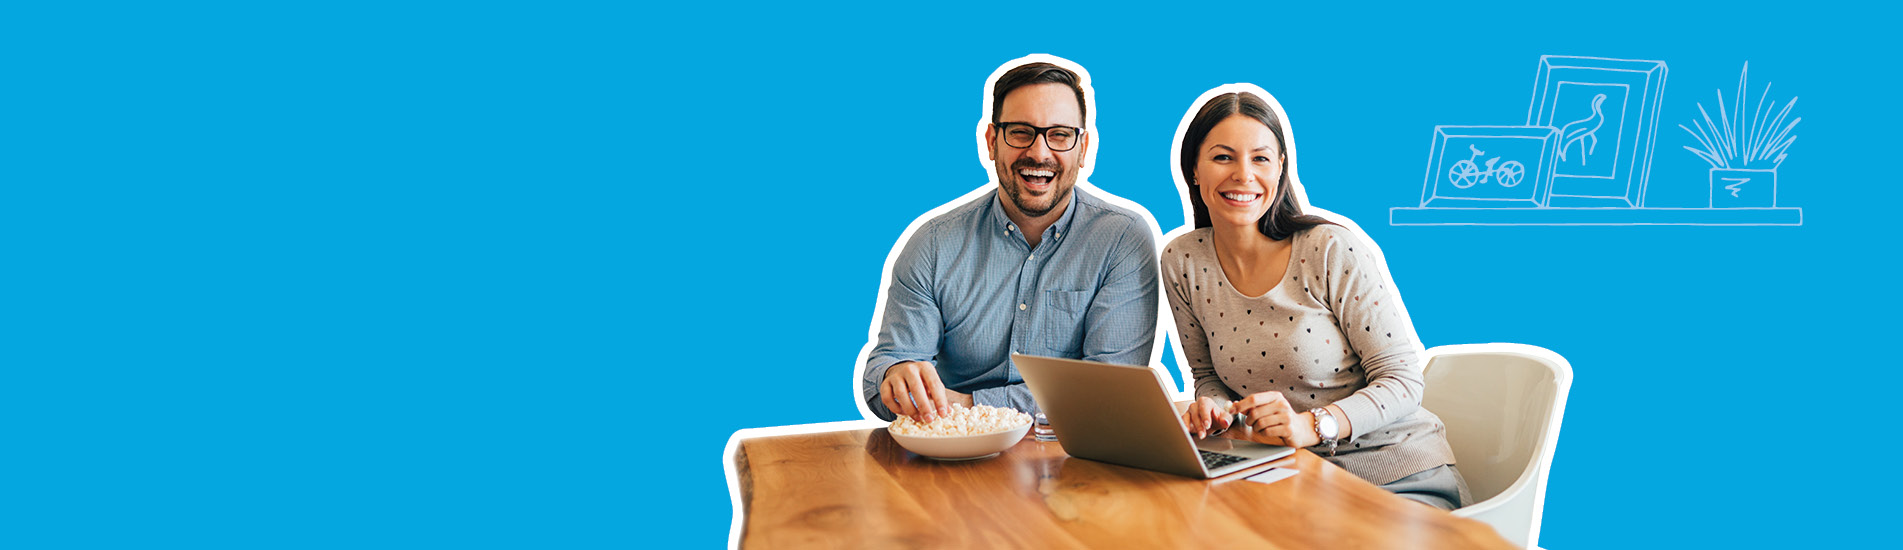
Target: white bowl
[(963, 447)]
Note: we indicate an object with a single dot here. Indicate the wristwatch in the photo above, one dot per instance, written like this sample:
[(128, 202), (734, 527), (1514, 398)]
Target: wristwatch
[(1326, 428)]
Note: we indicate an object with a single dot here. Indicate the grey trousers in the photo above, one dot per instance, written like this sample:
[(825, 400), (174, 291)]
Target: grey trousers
[(1440, 487)]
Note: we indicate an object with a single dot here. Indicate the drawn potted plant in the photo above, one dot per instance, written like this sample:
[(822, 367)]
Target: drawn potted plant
[(1744, 152)]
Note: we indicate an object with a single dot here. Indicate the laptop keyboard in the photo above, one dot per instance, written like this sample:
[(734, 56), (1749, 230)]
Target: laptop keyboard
[(1214, 460)]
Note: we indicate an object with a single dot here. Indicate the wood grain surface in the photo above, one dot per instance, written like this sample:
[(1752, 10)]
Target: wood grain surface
[(860, 489)]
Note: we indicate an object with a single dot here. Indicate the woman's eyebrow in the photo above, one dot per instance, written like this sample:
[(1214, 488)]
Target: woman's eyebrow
[(1225, 147)]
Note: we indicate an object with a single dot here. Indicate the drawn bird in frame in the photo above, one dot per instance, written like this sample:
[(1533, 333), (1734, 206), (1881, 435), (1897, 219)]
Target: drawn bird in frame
[(1582, 130)]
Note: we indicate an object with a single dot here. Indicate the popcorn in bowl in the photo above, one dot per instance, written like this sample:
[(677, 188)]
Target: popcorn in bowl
[(977, 420), (965, 434)]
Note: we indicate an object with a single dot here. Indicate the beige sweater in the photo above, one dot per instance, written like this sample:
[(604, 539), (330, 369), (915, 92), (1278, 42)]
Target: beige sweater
[(1330, 332)]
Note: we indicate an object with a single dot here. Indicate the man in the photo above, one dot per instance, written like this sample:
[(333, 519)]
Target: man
[(1038, 266)]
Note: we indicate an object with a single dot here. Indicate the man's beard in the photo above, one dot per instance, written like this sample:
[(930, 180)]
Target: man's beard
[(1061, 184)]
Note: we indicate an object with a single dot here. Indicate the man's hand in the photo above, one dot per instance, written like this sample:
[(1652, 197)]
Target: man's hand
[(912, 389), (1205, 414), (1275, 422)]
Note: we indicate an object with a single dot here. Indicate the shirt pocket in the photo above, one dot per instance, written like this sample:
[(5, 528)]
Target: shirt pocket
[(1064, 321)]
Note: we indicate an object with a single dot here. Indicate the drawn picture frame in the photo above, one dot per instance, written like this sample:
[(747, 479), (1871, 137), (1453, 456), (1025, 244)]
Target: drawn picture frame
[(1606, 114), (1460, 173)]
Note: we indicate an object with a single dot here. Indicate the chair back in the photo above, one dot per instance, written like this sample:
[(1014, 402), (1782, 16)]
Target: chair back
[(1502, 404)]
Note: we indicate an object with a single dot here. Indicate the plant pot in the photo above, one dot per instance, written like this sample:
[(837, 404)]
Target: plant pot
[(1735, 188)]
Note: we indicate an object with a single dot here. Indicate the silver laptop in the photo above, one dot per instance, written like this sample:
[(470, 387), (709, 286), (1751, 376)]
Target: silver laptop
[(1122, 415)]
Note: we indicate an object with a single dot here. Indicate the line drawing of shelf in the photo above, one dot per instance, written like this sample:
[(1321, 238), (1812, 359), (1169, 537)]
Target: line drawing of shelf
[(1584, 157), (1776, 216)]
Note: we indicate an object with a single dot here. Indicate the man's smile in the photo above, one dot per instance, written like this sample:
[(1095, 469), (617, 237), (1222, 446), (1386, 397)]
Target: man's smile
[(1036, 179)]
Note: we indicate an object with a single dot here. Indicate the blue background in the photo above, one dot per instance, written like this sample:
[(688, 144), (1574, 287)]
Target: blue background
[(473, 274)]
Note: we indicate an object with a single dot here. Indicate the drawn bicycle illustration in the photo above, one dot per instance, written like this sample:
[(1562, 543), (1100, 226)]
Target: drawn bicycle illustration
[(1466, 174)]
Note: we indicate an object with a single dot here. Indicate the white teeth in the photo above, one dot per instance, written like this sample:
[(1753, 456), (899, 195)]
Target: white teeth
[(1037, 173), (1242, 197)]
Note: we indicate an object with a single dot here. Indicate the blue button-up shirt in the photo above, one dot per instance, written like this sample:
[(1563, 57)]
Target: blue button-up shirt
[(967, 290)]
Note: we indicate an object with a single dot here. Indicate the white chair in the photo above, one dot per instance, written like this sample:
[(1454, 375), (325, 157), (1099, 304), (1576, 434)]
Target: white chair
[(1502, 404)]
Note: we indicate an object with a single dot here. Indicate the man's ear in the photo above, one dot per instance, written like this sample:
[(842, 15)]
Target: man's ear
[(991, 141), (1083, 149)]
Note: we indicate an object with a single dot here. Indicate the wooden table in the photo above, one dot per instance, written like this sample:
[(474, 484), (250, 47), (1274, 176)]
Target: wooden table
[(859, 488)]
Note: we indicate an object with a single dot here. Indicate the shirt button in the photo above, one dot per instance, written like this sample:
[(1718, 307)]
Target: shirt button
[(1033, 257), (1021, 307), (1059, 235), (1010, 227)]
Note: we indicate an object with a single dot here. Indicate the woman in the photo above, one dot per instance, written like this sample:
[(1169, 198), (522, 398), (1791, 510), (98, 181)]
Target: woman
[(1286, 320)]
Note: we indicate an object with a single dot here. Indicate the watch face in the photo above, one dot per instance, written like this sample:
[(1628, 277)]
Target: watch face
[(1325, 425)]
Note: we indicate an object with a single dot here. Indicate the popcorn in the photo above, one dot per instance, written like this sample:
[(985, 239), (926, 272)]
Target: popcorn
[(978, 420)]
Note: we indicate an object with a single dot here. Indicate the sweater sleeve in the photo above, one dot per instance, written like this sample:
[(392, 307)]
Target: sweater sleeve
[(1368, 310), (1190, 337)]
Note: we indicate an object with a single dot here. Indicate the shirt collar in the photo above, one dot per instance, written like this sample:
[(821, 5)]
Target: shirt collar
[(1056, 230)]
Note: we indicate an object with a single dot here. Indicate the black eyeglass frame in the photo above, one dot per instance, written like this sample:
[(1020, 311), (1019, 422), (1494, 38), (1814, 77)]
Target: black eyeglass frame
[(1042, 131)]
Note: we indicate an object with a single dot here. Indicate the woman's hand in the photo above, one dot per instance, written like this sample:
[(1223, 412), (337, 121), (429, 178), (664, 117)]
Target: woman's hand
[(1205, 414), (1275, 422)]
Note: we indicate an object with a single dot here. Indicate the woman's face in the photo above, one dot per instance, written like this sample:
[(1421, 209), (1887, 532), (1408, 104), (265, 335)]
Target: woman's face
[(1237, 169)]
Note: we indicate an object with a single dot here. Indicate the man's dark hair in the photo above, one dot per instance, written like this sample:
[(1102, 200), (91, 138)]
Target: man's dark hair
[(1036, 73)]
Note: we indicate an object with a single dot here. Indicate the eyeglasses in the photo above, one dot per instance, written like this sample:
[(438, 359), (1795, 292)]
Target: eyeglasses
[(1021, 135)]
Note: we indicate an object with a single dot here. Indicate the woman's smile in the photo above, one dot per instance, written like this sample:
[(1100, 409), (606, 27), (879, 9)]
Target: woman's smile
[(1240, 199)]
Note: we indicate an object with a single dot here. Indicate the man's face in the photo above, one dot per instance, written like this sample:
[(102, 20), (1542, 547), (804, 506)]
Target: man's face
[(1036, 180)]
